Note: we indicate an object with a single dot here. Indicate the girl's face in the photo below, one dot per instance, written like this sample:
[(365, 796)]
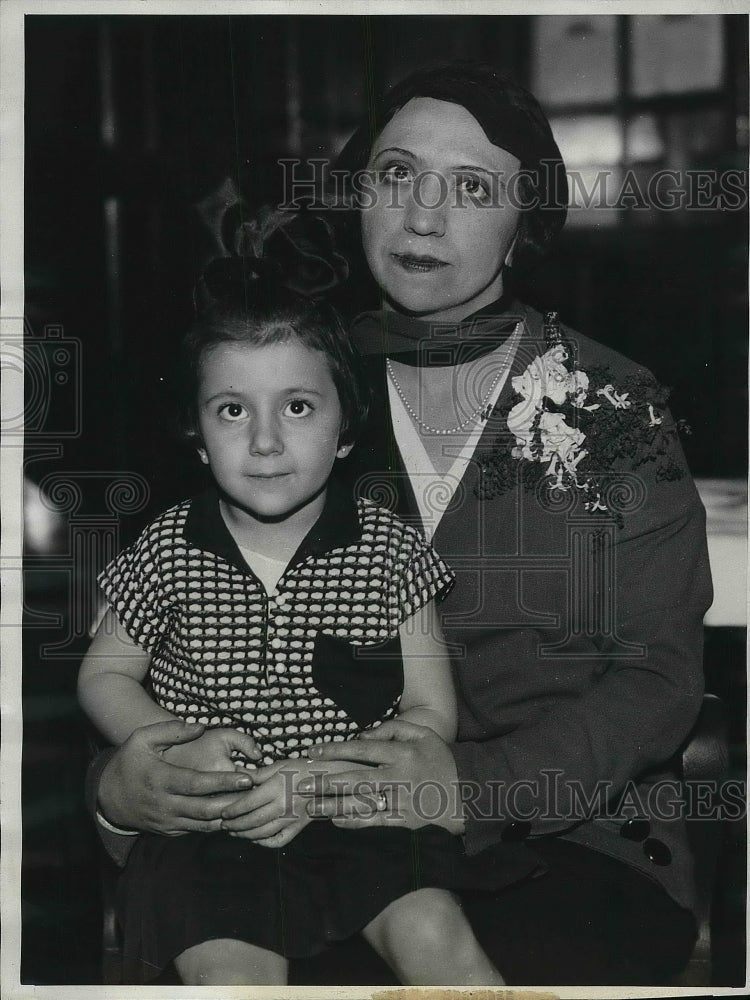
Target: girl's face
[(269, 420), (440, 228)]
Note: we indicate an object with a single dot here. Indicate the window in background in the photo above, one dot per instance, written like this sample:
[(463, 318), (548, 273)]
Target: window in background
[(575, 59), (593, 150), (632, 98), (675, 54)]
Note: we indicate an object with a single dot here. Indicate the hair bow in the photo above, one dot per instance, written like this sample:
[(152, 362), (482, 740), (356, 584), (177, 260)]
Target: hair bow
[(294, 249)]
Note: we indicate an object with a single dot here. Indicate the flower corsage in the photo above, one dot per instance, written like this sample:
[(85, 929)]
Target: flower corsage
[(572, 429)]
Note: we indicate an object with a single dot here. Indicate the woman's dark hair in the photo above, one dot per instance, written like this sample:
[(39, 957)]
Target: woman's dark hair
[(511, 118), (261, 310)]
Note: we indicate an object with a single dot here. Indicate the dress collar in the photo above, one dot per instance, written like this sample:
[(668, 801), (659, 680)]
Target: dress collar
[(337, 526)]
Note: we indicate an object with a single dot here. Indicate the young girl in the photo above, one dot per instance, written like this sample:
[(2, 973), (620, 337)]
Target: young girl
[(277, 612)]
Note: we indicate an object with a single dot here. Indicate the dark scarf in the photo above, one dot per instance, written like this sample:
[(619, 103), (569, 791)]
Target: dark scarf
[(375, 467), (435, 344)]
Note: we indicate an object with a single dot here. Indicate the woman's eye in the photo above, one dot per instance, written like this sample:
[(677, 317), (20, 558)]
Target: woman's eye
[(475, 187), (396, 173), (232, 411), (297, 408)]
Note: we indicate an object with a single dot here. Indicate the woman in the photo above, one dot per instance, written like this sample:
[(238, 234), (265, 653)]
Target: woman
[(563, 505)]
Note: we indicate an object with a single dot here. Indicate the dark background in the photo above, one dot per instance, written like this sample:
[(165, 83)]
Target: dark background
[(138, 131)]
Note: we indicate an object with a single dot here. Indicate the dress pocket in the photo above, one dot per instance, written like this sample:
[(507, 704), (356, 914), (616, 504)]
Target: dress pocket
[(364, 681)]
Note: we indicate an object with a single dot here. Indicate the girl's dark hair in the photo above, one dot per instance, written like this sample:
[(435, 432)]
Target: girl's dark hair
[(258, 311), (511, 117)]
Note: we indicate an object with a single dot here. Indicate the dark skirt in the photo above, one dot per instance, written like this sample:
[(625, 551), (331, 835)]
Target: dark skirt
[(325, 886), (589, 920)]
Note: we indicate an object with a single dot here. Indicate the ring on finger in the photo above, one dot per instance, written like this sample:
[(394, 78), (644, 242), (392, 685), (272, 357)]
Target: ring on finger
[(381, 802)]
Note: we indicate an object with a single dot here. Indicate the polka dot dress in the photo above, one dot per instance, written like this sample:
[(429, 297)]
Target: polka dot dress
[(224, 653)]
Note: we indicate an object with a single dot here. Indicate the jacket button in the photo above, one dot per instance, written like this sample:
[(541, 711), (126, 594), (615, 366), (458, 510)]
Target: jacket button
[(657, 852), (635, 829), (515, 831)]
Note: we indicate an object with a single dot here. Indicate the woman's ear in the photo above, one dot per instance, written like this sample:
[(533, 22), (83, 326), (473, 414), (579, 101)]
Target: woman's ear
[(511, 249), (344, 449), (203, 454)]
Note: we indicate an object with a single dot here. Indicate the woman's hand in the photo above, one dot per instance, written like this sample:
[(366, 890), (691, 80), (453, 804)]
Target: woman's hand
[(273, 812), (212, 751), (410, 765), (140, 790)]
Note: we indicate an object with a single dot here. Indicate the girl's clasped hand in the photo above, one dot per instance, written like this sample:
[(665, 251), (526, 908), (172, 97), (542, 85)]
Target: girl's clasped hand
[(395, 775)]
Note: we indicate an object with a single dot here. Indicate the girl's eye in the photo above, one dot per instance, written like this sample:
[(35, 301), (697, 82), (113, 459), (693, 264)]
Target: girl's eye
[(232, 411), (297, 408), (475, 187), (396, 173)]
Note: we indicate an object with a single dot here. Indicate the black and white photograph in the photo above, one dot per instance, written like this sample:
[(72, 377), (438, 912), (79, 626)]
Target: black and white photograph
[(374, 484)]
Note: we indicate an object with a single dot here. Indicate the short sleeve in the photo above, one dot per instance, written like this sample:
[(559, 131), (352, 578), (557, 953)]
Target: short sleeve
[(421, 577), (134, 587)]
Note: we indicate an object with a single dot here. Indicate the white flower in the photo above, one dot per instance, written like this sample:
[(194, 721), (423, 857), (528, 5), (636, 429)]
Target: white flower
[(548, 378), (559, 439), (592, 505), (654, 421), (619, 400), (553, 392)]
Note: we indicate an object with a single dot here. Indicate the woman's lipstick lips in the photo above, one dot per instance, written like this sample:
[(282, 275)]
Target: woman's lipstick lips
[(418, 263)]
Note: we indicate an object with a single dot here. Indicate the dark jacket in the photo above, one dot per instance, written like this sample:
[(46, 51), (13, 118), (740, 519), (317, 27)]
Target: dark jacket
[(577, 643)]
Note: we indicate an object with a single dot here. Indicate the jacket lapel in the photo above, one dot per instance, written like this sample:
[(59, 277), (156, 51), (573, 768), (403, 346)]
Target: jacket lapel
[(376, 469)]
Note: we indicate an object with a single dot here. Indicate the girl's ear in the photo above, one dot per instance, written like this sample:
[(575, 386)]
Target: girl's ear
[(203, 455), (344, 450)]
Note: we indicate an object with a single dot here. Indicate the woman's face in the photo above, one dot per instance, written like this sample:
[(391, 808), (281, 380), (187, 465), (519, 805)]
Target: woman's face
[(439, 230)]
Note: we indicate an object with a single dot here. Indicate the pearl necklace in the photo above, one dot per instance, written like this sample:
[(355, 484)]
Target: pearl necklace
[(511, 345)]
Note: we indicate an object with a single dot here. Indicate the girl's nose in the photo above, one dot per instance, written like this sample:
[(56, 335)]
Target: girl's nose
[(427, 204), (265, 436)]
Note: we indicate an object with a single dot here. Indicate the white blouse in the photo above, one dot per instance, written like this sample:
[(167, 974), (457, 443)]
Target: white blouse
[(434, 490)]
